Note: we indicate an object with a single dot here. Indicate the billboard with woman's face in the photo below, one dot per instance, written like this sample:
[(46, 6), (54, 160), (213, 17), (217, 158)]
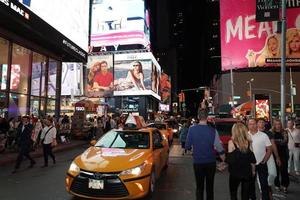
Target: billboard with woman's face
[(99, 80), (119, 22), (133, 74), (246, 43)]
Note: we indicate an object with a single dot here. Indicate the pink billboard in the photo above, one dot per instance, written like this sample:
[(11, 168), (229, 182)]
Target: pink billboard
[(246, 43)]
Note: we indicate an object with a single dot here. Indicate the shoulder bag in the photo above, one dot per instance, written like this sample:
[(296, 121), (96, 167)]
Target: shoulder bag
[(297, 144), (46, 134)]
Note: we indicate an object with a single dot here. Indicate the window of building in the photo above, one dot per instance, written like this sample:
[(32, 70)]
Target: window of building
[(3, 104), (20, 67), (34, 105), (52, 71), (3, 63), (38, 74), (51, 107), (17, 105)]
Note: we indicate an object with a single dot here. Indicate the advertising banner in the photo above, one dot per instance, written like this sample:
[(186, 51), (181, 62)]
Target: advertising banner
[(71, 79), (99, 80), (71, 18), (165, 89), (262, 107), (246, 43), (119, 22), (267, 10), (136, 74)]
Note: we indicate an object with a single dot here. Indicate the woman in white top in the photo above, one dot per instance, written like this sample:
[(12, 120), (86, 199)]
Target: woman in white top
[(294, 151)]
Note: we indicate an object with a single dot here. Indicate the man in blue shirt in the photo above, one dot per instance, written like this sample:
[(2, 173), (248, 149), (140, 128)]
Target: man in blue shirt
[(205, 141)]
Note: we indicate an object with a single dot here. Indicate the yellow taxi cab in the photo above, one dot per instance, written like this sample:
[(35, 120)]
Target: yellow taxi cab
[(164, 129), (122, 164)]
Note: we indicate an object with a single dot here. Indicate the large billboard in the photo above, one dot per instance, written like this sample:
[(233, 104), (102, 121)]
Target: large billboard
[(119, 22), (246, 43), (165, 89), (99, 80), (71, 79), (136, 74), (71, 18)]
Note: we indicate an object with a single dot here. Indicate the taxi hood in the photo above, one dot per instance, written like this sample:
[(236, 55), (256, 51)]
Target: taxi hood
[(111, 159)]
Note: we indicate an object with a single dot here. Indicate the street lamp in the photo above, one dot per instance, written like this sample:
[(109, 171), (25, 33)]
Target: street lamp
[(231, 76), (250, 88)]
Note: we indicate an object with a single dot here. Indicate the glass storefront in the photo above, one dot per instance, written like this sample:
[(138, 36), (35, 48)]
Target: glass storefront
[(51, 107), (17, 105), (28, 90), (38, 74), (3, 63), (20, 67), (53, 64), (3, 104)]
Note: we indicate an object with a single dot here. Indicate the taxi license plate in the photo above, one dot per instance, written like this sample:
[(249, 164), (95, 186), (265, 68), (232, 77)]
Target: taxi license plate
[(96, 184)]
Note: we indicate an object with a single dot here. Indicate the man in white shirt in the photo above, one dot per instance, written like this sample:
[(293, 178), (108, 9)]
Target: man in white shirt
[(294, 152), (48, 138), (262, 149)]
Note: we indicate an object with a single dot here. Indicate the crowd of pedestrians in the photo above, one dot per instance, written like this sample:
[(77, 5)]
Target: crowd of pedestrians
[(257, 155)]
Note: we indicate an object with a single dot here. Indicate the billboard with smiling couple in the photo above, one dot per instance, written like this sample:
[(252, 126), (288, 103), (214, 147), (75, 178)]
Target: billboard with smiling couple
[(99, 76), (246, 43), (136, 74)]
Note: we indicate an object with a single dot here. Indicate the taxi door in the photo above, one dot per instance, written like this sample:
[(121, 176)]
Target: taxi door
[(158, 150)]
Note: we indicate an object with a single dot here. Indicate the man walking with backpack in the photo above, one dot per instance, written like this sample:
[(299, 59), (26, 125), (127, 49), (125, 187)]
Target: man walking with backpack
[(203, 139)]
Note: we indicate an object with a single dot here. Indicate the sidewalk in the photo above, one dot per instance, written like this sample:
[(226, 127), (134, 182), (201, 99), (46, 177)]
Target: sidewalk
[(10, 157)]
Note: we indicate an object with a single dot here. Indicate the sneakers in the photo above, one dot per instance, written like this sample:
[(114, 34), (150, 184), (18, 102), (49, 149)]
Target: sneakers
[(284, 190), (277, 189), (298, 173)]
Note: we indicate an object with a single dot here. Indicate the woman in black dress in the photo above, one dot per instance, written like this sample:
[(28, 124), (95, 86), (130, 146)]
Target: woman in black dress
[(241, 161)]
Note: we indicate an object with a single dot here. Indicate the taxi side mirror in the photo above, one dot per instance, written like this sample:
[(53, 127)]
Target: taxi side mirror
[(93, 142)]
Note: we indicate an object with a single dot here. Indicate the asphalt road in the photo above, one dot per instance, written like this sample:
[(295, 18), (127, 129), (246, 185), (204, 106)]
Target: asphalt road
[(49, 184)]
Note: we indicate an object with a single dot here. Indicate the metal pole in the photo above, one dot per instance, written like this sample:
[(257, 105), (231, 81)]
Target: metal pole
[(292, 94), (232, 86), (283, 57), (250, 88)]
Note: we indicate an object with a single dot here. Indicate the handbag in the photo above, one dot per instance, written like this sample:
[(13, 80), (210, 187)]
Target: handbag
[(297, 144)]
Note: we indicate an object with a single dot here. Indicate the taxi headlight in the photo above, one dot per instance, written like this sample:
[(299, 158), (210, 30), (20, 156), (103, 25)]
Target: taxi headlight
[(135, 171), (74, 168), (175, 131)]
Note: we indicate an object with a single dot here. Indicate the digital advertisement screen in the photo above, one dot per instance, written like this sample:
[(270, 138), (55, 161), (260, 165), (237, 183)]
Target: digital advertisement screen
[(165, 89), (15, 77), (258, 43), (71, 18), (36, 79), (3, 71), (262, 107), (99, 80), (119, 22), (71, 79), (133, 74), (164, 107)]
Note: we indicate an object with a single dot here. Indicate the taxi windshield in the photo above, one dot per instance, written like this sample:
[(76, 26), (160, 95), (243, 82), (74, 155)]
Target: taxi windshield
[(125, 140), (158, 126)]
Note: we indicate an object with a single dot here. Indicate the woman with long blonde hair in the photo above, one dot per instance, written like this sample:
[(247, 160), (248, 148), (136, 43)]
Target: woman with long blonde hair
[(270, 50), (241, 161), (293, 43)]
